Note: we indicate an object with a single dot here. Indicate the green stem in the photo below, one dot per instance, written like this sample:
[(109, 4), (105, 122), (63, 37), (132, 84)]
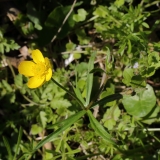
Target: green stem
[(71, 94)]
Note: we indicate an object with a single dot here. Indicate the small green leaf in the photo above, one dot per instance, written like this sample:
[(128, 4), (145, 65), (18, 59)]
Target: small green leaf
[(70, 46), (43, 118), (99, 129), (119, 3), (60, 102), (101, 11), (141, 104), (18, 80), (77, 55), (127, 76), (35, 129), (34, 96), (110, 123), (7, 86), (82, 37), (81, 16), (145, 25)]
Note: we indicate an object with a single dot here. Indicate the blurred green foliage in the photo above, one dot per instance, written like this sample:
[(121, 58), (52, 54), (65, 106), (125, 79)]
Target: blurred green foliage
[(103, 101)]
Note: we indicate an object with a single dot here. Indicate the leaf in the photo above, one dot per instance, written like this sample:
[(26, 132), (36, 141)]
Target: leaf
[(6, 143), (110, 123), (107, 99), (7, 86), (95, 70), (34, 96), (43, 118), (82, 37), (18, 143), (47, 89), (101, 11), (54, 22), (78, 94), (60, 102), (64, 125), (141, 104), (127, 76), (90, 78), (70, 46), (33, 15), (138, 81), (119, 3), (145, 25), (99, 129), (18, 80), (81, 16), (35, 129), (151, 118)]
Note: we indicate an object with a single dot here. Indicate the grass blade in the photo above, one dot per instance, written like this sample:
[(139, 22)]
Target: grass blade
[(6, 143), (18, 142), (65, 124), (99, 129), (90, 78), (107, 99)]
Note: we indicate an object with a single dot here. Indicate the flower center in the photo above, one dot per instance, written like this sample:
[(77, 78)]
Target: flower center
[(40, 69)]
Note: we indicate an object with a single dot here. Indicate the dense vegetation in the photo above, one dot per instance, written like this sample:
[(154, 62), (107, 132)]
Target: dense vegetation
[(103, 101)]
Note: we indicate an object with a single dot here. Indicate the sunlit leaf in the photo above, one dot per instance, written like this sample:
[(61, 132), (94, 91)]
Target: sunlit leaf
[(140, 104)]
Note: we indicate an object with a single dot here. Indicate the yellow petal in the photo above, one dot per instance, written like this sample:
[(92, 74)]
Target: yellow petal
[(36, 81), (37, 56), (48, 63), (26, 68), (49, 74)]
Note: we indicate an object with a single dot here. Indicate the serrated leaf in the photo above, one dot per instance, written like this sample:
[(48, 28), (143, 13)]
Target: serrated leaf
[(43, 118), (7, 86), (141, 104), (18, 80), (99, 129), (34, 96), (60, 102), (47, 89)]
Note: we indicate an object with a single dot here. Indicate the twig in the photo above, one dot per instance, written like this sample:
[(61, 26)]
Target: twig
[(64, 21)]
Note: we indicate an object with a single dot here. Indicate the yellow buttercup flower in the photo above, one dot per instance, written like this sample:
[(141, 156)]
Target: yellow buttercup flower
[(39, 70)]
